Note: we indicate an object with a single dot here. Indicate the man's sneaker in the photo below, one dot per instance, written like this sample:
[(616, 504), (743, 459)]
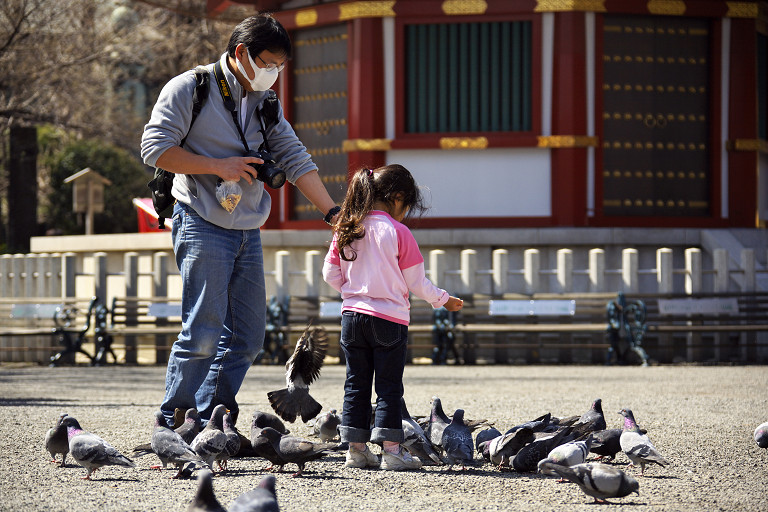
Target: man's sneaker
[(399, 461), (358, 459)]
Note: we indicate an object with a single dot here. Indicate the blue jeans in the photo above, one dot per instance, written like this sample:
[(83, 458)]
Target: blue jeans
[(223, 308), (375, 351)]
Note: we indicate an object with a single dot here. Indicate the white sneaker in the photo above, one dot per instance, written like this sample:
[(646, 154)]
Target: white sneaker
[(401, 461), (358, 459)]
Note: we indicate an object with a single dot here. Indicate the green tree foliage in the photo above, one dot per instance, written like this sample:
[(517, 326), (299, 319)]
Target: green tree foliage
[(128, 177)]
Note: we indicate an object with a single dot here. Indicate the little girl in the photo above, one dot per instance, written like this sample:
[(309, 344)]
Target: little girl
[(374, 262)]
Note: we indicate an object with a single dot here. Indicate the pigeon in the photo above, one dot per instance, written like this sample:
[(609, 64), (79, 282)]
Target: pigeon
[(211, 441), (205, 500), (261, 499), (325, 426), (232, 446), (537, 425), (457, 441), (91, 451), (293, 449), (568, 454), (56, 440), (638, 446), (502, 449), (761, 436), (302, 368), (485, 435), (528, 457), (169, 446), (605, 443), (437, 423), (266, 419), (415, 439), (188, 429), (600, 481), (595, 415)]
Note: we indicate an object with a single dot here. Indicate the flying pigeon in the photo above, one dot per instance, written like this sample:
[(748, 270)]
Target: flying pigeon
[(600, 481), (56, 440), (528, 457), (325, 426), (761, 436), (502, 449), (636, 445), (91, 451), (293, 449), (205, 500), (595, 415), (457, 441), (260, 499), (232, 446), (169, 446), (210, 442), (302, 368), (415, 439), (568, 454)]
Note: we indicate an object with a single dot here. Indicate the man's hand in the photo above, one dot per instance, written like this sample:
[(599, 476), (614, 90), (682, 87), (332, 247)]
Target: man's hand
[(236, 167)]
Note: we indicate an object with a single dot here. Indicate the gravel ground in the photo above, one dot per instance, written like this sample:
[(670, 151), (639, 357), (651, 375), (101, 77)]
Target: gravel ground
[(700, 418)]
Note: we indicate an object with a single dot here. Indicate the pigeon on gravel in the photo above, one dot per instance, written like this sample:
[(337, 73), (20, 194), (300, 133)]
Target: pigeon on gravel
[(211, 441), (293, 449), (600, 481), (568, 454), (485, 435), (415, 439), (636, 445), (437, 422), (502, 449), (169, 446), (326, 426), (539, 424), (56, 440), (528, 457), (761, 436), (605, 443), (457, 441), (260, 499), (302, 368), (232, 446), (91, 451), (205, 500), (595, 415), (189, 427), (263, 419)]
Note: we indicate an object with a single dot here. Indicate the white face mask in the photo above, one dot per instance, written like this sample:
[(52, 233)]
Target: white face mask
[(263, 80)]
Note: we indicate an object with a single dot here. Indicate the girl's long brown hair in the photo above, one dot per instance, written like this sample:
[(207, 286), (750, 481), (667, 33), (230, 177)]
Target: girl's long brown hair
[(365, 188)]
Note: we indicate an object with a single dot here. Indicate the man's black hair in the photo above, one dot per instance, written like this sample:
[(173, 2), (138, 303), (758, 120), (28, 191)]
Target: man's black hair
[(258, 33)]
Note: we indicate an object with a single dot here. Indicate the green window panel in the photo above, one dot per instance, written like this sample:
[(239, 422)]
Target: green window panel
[(468, 77)]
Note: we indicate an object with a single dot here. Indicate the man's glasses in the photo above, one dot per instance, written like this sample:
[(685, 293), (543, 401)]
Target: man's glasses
[(269, 66)]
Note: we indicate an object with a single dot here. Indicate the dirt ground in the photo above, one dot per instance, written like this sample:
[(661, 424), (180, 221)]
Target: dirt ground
[(701, 418)]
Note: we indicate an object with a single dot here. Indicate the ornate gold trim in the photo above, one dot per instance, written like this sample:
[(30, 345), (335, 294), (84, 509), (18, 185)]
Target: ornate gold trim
[(760, 145), (666, 7), (742, 10), (366, 145), (570, 5), (463, 142), (458, 7), (306, 17), (366, 9), (566, 141)]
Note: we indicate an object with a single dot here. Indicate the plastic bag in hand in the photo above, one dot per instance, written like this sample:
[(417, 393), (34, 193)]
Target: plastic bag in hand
[(228, 193)]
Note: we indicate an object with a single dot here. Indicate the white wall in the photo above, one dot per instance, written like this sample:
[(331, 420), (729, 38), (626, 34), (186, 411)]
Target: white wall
[(497, 182)]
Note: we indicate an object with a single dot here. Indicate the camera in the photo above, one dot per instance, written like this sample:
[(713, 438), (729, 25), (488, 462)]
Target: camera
[(268, 172)]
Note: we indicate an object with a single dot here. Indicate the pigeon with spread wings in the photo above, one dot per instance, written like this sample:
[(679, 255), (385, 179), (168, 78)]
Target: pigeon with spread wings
[(302, 369)]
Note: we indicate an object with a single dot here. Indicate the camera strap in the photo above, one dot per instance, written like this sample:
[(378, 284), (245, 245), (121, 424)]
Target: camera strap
[(229, 102)]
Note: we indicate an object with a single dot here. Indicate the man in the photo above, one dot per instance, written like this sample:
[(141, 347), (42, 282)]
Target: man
[(219, 253)]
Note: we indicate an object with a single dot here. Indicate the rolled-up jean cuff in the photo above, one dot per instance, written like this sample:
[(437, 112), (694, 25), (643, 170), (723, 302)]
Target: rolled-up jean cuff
[(354, 435), (379, 435)]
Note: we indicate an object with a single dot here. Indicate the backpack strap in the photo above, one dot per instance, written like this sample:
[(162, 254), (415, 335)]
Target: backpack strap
[(199, 96)]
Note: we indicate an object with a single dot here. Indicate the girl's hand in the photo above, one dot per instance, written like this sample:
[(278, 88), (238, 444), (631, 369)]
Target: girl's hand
[(454, 304)]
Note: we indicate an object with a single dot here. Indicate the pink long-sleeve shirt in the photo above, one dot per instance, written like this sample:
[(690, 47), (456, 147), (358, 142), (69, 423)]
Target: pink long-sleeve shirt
[(389, 265)]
